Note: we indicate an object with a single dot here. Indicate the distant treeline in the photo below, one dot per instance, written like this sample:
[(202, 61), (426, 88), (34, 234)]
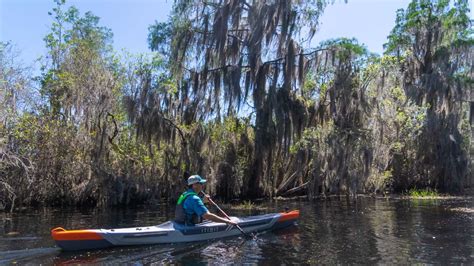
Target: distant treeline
[(233, 90)]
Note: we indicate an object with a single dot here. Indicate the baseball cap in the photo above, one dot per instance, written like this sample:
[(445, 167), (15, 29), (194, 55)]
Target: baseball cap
[(195, 179)]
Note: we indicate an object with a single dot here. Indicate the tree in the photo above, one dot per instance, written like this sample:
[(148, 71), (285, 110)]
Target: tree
[(81, 85), (434, 43), (15, 88), (234, 54)]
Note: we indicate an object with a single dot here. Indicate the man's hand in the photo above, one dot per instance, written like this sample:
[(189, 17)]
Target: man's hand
[(206, 198), (217, 219)]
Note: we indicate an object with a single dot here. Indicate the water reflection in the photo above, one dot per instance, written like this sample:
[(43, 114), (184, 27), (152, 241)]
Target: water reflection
[(335, 231)]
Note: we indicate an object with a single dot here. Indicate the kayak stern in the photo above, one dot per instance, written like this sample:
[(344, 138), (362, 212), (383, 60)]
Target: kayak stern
[(78, 239)]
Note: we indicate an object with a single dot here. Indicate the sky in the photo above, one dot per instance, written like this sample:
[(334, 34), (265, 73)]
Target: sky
[(26, 22)]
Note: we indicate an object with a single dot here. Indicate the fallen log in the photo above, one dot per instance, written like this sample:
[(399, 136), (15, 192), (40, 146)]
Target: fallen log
[(296, 190)]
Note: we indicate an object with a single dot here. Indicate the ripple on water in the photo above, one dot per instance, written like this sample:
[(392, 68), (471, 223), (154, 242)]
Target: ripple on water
[(15, 256)]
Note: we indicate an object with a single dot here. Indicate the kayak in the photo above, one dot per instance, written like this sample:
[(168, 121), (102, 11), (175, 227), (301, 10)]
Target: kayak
[(168, 232)]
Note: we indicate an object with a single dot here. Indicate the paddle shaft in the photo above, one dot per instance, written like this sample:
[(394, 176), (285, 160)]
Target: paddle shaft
[(225, 214)]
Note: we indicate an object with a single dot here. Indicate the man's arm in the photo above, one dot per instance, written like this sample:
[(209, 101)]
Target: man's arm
[(217, 219)]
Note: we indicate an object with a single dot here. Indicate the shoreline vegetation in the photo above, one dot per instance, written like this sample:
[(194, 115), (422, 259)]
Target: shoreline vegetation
[(401, 196), (232, 93), (256, 204)]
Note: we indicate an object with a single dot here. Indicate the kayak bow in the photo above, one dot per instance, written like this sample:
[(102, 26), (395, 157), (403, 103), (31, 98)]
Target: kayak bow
[(168, 232)]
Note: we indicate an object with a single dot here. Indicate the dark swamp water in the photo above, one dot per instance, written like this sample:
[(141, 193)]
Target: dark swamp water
[(335, 231)]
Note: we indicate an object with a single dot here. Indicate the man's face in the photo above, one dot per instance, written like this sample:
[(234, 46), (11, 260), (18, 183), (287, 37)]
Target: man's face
[(197, 187)]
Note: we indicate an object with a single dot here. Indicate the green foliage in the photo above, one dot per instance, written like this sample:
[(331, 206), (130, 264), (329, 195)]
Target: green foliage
[(314, 138), (225, 132), (350, 45), (380, 181), (453, 16), (423, 193), (159, 37), (246, 205)]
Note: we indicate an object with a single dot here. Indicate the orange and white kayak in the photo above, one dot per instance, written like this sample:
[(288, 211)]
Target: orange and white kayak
[(169, 232)]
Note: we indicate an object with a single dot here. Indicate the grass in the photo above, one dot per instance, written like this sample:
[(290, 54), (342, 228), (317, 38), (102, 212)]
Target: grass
[(423, 193), (247, 205)]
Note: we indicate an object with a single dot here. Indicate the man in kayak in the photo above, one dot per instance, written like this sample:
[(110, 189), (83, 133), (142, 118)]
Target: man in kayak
[(190, 208)]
